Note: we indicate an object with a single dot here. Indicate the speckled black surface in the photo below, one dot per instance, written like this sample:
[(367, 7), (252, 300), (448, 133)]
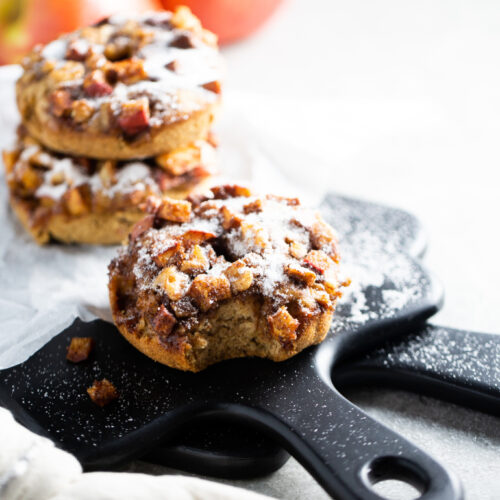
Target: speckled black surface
[(294, 401)]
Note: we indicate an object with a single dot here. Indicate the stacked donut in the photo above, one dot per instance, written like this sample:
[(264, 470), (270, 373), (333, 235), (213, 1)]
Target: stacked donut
[(113, 114)]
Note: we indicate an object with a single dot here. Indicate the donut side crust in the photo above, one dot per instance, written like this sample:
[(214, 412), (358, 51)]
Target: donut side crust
[(235, 329), (155, 141)]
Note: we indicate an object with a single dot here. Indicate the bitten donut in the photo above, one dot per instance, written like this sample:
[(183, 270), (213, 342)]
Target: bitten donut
[(224, 277), (78, 200), (124, 88)]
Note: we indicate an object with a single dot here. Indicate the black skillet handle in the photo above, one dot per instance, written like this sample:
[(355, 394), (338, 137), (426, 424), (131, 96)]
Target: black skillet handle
[(345, 449), (455, 365)]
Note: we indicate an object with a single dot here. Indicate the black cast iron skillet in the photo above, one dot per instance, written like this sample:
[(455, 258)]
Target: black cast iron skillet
[(293, 402)]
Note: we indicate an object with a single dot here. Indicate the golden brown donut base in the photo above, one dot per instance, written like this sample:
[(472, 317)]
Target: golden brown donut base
[(159, 140), (235, 329), (92, 228)]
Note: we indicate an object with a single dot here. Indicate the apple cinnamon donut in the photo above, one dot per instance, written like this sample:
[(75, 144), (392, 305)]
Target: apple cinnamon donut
[(74, 199), (126, 88), (228, 276)]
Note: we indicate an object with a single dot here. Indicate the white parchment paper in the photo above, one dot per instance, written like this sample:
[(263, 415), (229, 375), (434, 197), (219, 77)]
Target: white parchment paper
[(43, 289)]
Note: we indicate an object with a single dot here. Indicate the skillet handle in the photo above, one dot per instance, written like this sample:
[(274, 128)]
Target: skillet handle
[(345, 449), (455, 365)]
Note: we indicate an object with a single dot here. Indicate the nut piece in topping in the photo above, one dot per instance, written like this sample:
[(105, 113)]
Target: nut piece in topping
[(173, 282), (163, 322), (196, 261), (174, 210), (230, 191), (318, 261), (283, 325), (207, 290), (240, 276), (301, 273), (94, 84), (102, 392), (134, 116), (79, 349)]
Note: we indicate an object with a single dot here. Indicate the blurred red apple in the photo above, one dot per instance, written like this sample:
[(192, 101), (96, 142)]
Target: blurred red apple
[(229, 19), (24, 23)]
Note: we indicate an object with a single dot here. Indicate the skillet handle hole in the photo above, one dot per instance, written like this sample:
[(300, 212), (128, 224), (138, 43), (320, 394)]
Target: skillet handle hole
[(395, 478)]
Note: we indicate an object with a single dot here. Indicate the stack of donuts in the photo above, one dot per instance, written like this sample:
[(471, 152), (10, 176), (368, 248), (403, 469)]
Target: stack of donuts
[(116, 141), (111, 115)]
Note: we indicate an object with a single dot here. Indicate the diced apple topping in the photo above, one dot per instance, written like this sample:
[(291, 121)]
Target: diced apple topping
[(183, 308), (240, 276), (107, 173), (81, 111), (230, 220), (141, 227), (297, 250), (254, 235), (180, 161), (28, 177), (173, 282), (253, 207), (206, 290), (128, 72), (75, 203), (102, 392), (283, 325), (162, 256), (230, 191), (214, 87), (196, 261), (9, 160), (301, 273), (174, 210), (134, 116), (60, 103), (163, 322), (95, 85), (67, 72), (119, 47), (79, 349), (318, 261), (196, 237)]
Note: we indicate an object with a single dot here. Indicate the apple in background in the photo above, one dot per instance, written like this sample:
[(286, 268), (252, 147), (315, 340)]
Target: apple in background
[(229, 19), (24, 23)]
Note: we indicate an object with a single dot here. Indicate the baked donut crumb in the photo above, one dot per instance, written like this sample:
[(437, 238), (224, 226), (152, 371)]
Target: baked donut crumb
[(79, 349), (102, 392)]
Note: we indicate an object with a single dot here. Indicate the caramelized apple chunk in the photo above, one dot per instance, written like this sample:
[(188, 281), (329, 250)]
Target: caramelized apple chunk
[(206, 290)]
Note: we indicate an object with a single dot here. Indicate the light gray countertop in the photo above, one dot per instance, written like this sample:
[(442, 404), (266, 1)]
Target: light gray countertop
[(401, 102)]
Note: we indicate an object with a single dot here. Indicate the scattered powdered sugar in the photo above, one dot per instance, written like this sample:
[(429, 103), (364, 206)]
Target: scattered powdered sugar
[(384, 278), (262, 240)]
